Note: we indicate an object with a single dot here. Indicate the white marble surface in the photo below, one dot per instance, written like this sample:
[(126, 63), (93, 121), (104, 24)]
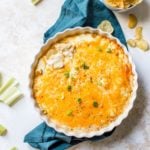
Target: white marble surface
[(21, 31)]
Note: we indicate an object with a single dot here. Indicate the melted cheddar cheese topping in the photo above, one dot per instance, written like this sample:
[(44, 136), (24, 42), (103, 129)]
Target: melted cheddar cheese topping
[(122, 3), (83, 80)]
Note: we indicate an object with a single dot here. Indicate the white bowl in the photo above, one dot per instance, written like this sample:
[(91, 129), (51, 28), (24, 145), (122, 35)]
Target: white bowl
[(76, 133), (115, 9)]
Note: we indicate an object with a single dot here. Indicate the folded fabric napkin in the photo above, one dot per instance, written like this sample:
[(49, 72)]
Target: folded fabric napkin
[(84, 13), (73, 13)]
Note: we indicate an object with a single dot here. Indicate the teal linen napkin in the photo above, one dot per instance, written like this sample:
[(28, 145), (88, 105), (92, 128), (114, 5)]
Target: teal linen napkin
[(84, 13), (46, 138), (73, 13)]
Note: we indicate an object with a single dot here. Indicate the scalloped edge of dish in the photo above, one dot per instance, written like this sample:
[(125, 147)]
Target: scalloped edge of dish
[(79, 134)]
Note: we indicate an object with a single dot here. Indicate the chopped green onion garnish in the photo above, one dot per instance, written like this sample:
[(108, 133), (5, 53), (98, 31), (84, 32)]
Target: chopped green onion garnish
[(70, 113), (100, 83), (79, 100), (109, 50), (99, 49), (13, 98), (95, 104), (84, 66), (67, 74), (72, 78), (69, 88), (77, 68), (35, 2), (7, 84), (3, 130)]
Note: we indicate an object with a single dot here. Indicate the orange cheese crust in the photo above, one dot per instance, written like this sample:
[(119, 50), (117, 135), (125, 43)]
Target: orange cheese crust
[(122, 3), (93, 86)]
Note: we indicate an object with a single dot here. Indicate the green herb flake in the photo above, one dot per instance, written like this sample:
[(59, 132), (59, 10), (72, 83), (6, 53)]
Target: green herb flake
[(99, 49), (70, 113), (77, 68), (84, 66), (69, 88), (100, 83), (79, 100), (109, 50), (95, 104), (67, 74)]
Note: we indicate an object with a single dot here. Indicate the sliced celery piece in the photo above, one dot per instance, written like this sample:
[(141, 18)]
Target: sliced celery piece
[(0, 79), (8, 92), (3, 130), (7, 84), (14, 148), (13, 98), (35, 2)]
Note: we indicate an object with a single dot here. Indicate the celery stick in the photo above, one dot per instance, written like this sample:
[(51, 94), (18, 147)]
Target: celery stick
[(0, 79), (13, 98), (35, 2), (14, 148), (3, 130), (7, 84), (8, 92)]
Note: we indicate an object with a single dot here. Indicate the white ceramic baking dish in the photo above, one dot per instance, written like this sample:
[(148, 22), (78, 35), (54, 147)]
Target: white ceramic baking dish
[(61, 128)]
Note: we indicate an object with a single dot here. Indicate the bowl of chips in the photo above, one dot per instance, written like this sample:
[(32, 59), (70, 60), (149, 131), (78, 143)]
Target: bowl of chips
[(121, 5)]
